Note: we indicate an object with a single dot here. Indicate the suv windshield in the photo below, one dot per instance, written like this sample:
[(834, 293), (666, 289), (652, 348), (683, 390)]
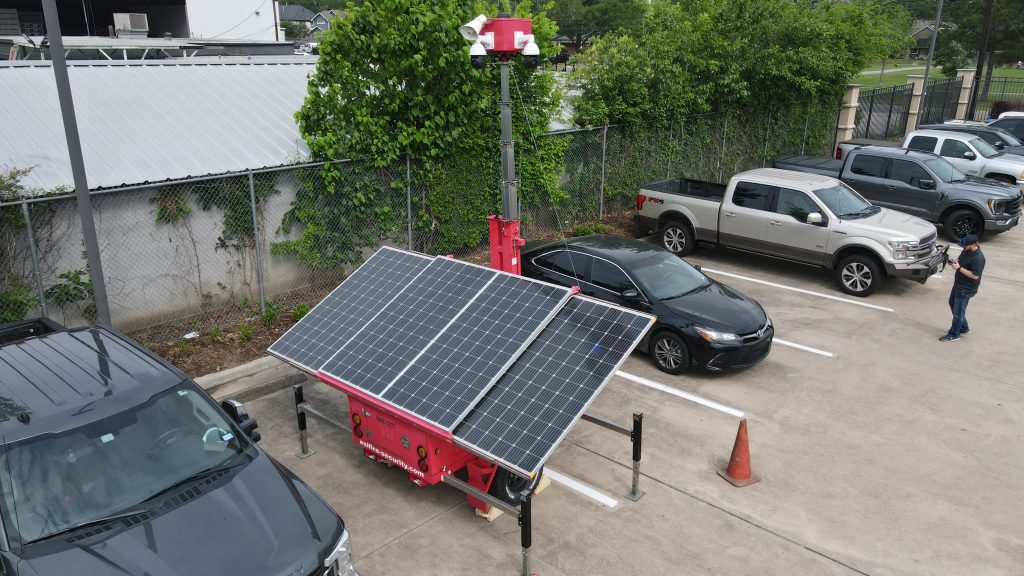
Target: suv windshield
[(984, 148), (844, 202), (55, 482), (666, 276), (943, 170)]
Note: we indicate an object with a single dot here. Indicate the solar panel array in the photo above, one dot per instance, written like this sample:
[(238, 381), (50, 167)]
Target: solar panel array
[(504, 362)]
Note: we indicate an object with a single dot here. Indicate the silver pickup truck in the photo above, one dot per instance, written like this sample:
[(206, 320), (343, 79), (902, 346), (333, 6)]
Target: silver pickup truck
[(806, 218)]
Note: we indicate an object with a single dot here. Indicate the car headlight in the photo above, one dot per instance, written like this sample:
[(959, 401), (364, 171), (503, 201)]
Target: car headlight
[(900, 247), (339, 561), (996, 206), (716, 336)]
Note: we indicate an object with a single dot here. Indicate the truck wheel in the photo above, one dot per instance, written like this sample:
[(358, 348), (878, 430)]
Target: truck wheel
[(961, 223), (677, 238), (670, 353), (859, 275), (509, 487)]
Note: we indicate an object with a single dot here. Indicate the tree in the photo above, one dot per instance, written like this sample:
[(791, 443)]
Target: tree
[(581, 20), (393, 80), (295, 30)]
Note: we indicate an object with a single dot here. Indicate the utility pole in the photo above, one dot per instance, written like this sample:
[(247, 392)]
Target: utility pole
[(928, 64), (67, 110), (982, 51)]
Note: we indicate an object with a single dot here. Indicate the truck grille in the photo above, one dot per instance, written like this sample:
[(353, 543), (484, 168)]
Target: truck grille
[(1013, 206)]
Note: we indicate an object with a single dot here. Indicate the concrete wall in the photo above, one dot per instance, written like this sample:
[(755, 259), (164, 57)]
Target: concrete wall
[(232, 19)]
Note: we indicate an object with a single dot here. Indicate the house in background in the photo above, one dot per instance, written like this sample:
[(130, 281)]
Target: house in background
[(322, 21), (293, 17), (922, 31)]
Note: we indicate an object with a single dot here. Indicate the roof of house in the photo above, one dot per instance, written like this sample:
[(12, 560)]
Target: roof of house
[(151, 121), (328, 14), (294, 13)]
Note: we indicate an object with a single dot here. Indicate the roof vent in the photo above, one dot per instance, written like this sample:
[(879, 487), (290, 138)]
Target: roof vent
[(131, 25)]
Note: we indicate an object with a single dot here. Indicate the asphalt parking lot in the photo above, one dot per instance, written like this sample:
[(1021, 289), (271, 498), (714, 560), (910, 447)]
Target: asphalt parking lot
[(881, 450)]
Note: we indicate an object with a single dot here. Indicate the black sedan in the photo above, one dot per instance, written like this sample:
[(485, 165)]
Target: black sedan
[(701, 322)]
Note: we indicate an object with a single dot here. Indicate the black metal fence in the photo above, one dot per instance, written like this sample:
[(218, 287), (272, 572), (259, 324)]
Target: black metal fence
[(882, 113), (994, 90), (940, 101)]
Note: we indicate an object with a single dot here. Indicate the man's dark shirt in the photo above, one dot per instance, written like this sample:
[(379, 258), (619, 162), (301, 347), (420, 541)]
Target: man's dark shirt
[(975, 262)]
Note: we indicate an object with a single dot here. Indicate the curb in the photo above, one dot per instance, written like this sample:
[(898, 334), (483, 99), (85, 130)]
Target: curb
[(251, 380)]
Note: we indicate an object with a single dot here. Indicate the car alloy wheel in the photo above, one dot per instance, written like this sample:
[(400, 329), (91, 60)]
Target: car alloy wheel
[(670, 353), (857, 277)]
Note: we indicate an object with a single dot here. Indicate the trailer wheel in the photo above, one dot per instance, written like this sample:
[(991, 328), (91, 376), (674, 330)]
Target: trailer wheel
[(509, 487), (677, 238)]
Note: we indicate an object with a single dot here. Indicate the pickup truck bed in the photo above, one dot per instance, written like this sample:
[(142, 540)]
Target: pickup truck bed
[(689, 187), (812, 164)]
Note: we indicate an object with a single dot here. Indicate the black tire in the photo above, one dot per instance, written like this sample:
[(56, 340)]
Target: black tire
[(676, 237), (509, 487), (669, 353), (859, 275), (960, 223)]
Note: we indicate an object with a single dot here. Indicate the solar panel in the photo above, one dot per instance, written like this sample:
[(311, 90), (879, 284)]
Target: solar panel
[(386, 345), (526, 414), (332, 322), (458, 367)]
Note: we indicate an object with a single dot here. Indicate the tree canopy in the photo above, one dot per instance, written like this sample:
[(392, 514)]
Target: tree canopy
[(581, 20), (698, 55)]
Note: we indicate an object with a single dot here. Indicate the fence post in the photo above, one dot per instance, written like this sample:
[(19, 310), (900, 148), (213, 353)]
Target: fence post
[(35, 259), (966, 83), (256, 241), (915, 102), (725, 135), (604, 148), (668, 168), (847, 121), (408, 197), (767, 138)]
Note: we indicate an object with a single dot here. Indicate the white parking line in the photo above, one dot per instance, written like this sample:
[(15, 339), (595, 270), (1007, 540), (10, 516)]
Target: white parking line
[(580, 487), (801, 290), (801, 347), (685, 395)]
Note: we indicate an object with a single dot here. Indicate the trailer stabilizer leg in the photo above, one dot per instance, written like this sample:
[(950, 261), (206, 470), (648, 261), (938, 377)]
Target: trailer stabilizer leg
[(636, 436), (300, 415), (525, 529)]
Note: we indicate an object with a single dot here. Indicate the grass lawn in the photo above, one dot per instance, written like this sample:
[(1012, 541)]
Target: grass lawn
[(898, 76)]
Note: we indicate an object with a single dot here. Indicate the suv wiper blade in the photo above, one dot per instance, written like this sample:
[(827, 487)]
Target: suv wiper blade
[(96, 522), (194, 477)]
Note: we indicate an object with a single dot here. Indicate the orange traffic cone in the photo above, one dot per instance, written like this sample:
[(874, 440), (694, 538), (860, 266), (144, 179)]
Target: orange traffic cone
[(738, 473)]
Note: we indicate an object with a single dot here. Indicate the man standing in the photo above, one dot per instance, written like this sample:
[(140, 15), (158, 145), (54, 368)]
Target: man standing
[(968, 268)]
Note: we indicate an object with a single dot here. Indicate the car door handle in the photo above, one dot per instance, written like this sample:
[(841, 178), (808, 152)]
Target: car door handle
[(729, 214), (774, 223), (891, 187)]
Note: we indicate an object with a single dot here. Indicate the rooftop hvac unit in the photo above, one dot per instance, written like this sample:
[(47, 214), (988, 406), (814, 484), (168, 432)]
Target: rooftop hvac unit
[(131, 25)]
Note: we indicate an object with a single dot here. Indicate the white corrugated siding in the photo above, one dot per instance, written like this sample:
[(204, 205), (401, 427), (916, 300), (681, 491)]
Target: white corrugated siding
[(152, 122)]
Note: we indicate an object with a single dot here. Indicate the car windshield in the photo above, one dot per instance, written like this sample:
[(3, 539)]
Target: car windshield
[(665, 276), (984, 148), (54, 482), (1010, 139), (943, 170), (844, 202)]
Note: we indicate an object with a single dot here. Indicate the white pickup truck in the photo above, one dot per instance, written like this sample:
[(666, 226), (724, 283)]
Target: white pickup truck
[(806, 218)]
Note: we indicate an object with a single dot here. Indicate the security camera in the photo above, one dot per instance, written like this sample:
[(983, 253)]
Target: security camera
[(477, 55), (470, 30), (531, 55)]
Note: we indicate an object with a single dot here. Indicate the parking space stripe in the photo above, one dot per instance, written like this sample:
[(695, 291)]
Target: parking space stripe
[(801, 290), (802, 347), (685, 395), (580, 487)]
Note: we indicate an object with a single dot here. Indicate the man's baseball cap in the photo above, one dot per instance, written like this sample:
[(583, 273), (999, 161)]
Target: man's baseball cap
[(968, 240)]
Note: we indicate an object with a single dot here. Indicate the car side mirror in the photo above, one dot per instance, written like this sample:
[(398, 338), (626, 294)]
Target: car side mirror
[(631, 294), (696, 267), (927, 184), (1000, 145), (969, 155), (815, 218), (237, 412)]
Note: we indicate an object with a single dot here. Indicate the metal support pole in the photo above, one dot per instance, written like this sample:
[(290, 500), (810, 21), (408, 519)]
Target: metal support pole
[(525, 532), (408, 198), (509, 201), (35, 259), (668, 166), (767, 138), (256, 241), (637, 437), (721, 157), (928, 64), (67, 109), (604, 148), (300, 415), (803, 140)]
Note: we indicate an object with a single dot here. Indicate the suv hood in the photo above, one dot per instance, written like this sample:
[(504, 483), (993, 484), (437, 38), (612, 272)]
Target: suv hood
[(718, 307), (254, 522), (986, 186), (889, 224)]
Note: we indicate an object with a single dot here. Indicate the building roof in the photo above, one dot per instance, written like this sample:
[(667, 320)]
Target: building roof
[(152, 121), (329, 14), (294, 13)]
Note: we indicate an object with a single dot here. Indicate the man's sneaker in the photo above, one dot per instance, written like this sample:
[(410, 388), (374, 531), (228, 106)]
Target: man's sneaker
[(948, 338), (968, 331)]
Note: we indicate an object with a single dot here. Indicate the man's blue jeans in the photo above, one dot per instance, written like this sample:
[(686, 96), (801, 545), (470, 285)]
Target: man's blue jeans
[(958, 300)]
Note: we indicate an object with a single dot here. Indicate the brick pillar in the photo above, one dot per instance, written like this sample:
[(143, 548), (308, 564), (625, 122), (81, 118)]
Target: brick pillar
[(847, 122), (915, 102), (966, 76)]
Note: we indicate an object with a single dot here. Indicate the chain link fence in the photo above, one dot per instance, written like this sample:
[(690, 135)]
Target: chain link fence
[(207, 254)]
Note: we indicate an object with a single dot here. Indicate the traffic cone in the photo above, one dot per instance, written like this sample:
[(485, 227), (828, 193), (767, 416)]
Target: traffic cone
[(738, 473)]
